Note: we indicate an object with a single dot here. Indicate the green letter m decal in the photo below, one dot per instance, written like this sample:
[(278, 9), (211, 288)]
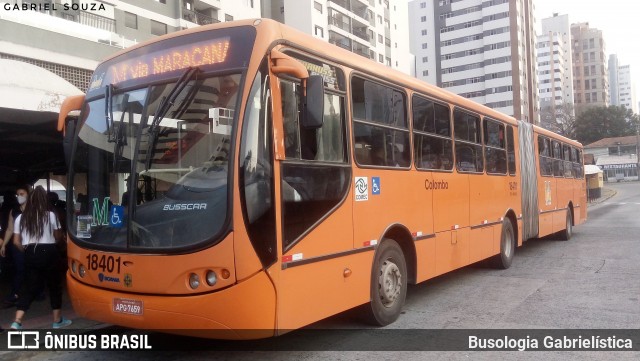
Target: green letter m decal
[(100, 214)]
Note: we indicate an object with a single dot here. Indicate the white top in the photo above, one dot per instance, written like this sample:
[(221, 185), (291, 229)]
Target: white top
[(47, 236)]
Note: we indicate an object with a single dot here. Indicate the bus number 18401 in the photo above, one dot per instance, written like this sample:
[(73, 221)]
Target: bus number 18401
[(103, 262)]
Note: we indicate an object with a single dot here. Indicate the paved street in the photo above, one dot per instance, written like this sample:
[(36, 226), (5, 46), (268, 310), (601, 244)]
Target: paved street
[(592, 281)]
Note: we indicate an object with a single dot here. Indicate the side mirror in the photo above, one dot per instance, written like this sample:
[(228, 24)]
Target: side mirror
[(313, 102), (313, 87)]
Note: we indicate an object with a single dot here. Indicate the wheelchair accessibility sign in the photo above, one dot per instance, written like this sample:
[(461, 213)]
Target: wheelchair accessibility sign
[(116, 216), (375, 186)]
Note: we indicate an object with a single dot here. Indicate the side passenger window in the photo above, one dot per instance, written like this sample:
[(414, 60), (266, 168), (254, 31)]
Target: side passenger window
[(380, 125), (495, 147), (511, 151), (558, 164), (544, 152), (432, 142), (468, 140)]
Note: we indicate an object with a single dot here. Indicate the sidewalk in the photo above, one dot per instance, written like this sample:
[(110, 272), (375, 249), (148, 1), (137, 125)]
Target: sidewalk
[(39, 315)]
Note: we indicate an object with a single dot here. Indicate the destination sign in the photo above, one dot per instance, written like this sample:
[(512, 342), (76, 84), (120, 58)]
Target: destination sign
[(206, 52)]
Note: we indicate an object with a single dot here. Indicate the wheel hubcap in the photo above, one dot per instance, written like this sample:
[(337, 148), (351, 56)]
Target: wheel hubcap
[(508, 246), (390, 282)]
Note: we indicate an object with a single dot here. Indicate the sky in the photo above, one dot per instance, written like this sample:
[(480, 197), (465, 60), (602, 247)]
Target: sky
[(619, 21)]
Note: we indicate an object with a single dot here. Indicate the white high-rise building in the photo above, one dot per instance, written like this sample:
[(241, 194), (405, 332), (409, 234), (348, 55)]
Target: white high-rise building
[(558, 28), (551, 70), (614, 89), (627, 88), (483, 50), (375, 29), (423, 40)]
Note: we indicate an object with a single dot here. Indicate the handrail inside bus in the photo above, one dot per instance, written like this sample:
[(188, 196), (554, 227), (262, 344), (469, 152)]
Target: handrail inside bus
[(68, 105)]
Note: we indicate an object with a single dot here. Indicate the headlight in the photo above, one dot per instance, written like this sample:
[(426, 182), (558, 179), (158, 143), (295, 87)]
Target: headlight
[(82, 271), (74, 266), (194, 281), (212, 278)]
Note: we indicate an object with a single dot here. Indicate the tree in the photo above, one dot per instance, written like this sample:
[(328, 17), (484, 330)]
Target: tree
[(605, 122), (562, 121)]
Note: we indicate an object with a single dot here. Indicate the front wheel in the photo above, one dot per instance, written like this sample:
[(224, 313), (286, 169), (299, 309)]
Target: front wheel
[(388, 284), (507, 247)]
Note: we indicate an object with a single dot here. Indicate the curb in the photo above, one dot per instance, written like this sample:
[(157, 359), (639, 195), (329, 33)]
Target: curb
[(612, 193)]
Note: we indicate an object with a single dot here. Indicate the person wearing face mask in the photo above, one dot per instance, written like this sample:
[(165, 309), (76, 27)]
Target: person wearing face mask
[(18, 257)]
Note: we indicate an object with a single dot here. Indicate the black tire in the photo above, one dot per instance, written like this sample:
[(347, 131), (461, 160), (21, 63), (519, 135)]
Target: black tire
[(388, 288), (507, 247), (568, 229)]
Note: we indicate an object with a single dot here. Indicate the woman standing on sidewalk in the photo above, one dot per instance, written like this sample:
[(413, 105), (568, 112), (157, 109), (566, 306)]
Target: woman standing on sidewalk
[(35, 233), (22, 193)]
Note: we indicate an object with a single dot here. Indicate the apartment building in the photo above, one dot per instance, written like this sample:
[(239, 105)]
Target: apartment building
[(614, 89), (422, 40), (484, 51), (374, 29), (590, 74), (70, 37), (627, 88), (555, 39)]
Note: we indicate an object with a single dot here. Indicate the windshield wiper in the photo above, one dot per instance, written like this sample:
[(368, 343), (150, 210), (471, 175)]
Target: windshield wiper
[(165, 104), (108, 112), (120, 134)]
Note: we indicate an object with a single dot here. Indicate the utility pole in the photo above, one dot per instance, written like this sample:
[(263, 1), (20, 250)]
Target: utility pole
[(638, 150)]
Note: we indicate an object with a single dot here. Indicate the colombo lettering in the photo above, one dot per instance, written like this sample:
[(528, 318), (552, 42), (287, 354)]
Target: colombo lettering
[(184, 207), (429, 185)]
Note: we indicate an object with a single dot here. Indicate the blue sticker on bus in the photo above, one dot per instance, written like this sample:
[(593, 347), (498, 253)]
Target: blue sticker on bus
[(116, 216), (375, 185)]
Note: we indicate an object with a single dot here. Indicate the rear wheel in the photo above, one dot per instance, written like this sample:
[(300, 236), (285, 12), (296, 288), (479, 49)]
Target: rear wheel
[(568, 229), (507, 247), (388, 284)]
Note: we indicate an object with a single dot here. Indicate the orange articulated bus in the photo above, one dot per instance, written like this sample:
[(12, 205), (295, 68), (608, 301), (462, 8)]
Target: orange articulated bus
[(243, 179)]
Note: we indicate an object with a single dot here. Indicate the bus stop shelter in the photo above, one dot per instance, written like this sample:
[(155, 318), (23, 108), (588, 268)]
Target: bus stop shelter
[(30, 145)]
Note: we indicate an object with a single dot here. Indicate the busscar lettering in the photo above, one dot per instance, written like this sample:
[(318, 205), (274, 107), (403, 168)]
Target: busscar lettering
[(184, 207)]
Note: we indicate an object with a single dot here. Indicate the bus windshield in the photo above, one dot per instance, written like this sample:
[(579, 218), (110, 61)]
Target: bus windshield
[(154, 164)]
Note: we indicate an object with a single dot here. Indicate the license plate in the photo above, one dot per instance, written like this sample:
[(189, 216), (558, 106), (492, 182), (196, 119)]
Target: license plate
[(128, 306)]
